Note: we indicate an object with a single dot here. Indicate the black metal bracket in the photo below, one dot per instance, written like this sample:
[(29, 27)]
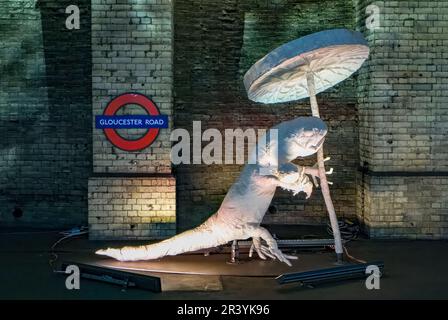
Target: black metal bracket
[(117, 277), (346, 272)]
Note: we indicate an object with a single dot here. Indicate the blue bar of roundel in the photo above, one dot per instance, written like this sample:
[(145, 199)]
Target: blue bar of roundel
[(131, 122)]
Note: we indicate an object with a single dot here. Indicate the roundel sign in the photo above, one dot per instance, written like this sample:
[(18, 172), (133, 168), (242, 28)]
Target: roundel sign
[(153, 121)]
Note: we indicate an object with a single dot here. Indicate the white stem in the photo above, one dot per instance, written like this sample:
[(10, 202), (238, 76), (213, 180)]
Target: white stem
[(322, 172), (312, 94)]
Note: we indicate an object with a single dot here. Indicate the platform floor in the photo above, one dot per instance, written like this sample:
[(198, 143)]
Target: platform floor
[(414, 270), (196, 272), (213, 265)]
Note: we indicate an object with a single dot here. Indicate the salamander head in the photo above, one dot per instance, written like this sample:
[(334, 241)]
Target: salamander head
[(304, 137)]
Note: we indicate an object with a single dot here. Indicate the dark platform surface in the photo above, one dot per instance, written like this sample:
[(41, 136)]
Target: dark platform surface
[(414, 270), (214, 264)]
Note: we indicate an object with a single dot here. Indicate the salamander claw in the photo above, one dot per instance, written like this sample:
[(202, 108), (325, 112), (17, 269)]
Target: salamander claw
[(256, 244)]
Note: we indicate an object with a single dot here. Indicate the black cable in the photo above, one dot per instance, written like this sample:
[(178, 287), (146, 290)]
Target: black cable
[(66, 235), (348, 229)]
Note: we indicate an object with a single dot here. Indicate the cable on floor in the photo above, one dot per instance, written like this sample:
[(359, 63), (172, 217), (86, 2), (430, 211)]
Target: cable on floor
[(74, 232)]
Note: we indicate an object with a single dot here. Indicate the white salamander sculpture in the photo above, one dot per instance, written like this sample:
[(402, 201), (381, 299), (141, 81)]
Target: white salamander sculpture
[(248, 199)]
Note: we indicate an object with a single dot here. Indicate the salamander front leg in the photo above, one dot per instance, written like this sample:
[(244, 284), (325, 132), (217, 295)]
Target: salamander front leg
[(271, 250)]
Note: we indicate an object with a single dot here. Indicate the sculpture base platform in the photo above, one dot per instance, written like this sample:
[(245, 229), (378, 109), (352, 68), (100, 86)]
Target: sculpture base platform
[(212, 265)]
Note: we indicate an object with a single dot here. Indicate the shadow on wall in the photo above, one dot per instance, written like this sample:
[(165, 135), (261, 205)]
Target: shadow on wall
[(215, 43), (46, 142)]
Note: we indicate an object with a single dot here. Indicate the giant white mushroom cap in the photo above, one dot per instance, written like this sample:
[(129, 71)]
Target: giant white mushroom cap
[(331, 56)]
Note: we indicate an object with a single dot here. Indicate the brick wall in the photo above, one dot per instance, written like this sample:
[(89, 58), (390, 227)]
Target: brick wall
[(403, 121), (47, 103), (131, 194), (215, 43), (132, 52), (137, 208), (412, 207), (45, 114)]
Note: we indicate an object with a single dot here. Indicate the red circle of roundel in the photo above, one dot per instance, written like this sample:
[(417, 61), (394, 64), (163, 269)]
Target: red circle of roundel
[(114, 137)]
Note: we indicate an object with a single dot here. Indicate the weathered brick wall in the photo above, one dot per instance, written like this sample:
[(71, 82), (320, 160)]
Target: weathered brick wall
[(134, 208), (132, 194), (46, 111), (403, 121), (45, 114), (215, 43), (412, 207), (132, 52)]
